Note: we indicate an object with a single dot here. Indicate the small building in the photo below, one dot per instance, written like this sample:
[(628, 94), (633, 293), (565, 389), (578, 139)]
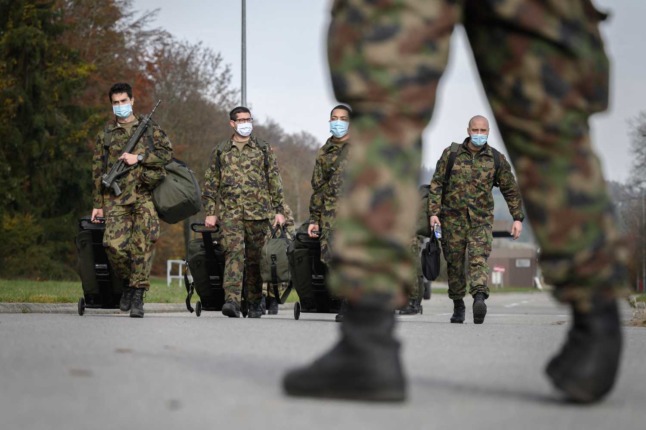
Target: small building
[(511, 264)]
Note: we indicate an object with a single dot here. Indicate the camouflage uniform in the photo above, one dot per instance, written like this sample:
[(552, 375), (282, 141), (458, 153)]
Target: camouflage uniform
[(132, 225), (327, 180), (248, 194), (547, 75), (466, 213)]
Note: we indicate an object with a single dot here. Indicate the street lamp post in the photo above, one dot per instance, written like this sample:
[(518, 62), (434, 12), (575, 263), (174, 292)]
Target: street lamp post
[(243, 86)]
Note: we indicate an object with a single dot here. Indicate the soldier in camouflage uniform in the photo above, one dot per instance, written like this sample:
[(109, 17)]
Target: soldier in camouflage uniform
[(327, 180), (243, 182), (464, 208), (131, 221), (545, 72)]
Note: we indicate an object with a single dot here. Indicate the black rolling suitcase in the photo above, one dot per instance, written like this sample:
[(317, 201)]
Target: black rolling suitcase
[(205, 270), (308, 274), (101, 289)]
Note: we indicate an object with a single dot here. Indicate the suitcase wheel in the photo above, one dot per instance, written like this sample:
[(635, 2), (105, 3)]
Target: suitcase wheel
[(198, 308), (81, 306), (297, 310)]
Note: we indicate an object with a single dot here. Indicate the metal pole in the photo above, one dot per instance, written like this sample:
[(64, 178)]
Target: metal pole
[(243, 100), (643, 239)]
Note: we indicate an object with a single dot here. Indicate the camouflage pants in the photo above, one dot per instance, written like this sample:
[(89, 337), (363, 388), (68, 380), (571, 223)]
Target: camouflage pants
[(416, 289), (243, 241), (544, 71), (466, 249), (324, 240), (130, 233)]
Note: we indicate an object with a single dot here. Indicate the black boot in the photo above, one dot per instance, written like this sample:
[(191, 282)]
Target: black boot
[(479, 308), (413, 307), (586, 367), (126, 299), (272, 306), (137, 307), (458, 311), (231, 309), (255, 310), (363, 365), (342, 310)]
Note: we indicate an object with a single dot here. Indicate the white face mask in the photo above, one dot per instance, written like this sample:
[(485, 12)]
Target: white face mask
[(244, 129)]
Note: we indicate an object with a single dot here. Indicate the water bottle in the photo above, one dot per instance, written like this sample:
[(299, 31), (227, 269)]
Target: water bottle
[(437, 231)]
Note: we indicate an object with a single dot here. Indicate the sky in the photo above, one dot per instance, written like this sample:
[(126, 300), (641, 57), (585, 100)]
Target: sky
[(288, 79)]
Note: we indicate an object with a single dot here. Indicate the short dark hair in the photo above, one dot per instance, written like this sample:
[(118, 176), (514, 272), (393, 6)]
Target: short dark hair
[(119, 88), (346, 108), (233, 115)]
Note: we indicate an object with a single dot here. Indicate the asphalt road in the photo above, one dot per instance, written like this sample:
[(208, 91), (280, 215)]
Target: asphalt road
[(176, 371)]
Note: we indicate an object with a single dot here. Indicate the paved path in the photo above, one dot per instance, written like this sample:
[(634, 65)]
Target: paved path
[(173, 370)]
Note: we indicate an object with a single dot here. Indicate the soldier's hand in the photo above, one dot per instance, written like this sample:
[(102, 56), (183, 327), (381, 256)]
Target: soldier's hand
[(435, 220), (313, 230), (516, 229), (96, 213), (279, 220), (210, 221), (128, 158)]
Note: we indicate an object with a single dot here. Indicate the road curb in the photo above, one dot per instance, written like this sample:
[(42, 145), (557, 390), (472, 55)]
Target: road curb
[(72, 308)]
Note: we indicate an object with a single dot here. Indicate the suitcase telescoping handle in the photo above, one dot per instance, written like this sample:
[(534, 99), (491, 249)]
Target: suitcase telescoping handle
[(199, 227)]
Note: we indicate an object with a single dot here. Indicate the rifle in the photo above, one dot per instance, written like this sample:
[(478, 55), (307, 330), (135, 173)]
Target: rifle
[(109, 180)]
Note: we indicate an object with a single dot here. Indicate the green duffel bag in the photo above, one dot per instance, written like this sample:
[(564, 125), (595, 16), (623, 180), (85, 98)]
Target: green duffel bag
[(178, 195), (274, 263)]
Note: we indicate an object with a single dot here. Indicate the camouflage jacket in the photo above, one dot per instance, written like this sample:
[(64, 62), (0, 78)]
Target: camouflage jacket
[(137, 182), (469, 191), (327, 179), (238, 183)]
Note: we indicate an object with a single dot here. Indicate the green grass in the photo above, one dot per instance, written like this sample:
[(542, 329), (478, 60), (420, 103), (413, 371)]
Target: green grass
[(24, 291)]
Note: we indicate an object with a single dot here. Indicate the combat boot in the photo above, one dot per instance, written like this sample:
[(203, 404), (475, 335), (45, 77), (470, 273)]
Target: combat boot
[(342, 309), (137, 307), (255, 310), (231, 309), (126, 299), (458, 311), (272, 306), (412, 308), (586, 367), (363, 365), (479, 308)]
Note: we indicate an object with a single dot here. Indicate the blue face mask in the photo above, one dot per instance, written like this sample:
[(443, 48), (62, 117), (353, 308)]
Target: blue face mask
[(479, 139), (122, 111), (339, 128)]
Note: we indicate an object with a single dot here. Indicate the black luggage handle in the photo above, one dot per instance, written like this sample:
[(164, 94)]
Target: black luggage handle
[(196, 227)]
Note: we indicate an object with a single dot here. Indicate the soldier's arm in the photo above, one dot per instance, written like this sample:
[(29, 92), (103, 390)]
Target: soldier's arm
[(437, 183), (211, 188), (316, 201), (510, 191), (97, 173), (162, 152), (275, 185)]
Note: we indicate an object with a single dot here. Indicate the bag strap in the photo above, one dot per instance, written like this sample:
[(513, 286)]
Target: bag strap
[(190, 289)]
